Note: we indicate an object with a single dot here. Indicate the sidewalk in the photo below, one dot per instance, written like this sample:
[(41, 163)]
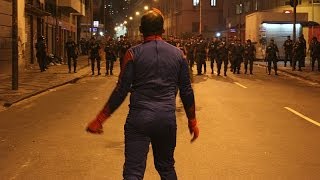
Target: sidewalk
[(32, 81), (306, 72)]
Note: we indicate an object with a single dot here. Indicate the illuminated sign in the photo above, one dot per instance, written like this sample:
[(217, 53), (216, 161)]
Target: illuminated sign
[(95, 23)]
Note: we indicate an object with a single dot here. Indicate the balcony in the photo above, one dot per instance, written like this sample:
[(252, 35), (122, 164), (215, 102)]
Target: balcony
[(35, 7), (72, 6)]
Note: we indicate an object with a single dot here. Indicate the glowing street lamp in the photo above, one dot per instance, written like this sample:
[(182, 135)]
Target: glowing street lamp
[(130, 17), (125, 22), (146, 8), (137, 13)]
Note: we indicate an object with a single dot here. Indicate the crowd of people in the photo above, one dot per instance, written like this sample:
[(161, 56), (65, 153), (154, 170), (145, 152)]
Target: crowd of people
[(197, 50)]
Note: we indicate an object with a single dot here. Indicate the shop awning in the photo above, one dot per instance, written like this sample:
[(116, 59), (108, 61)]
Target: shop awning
[(303, 23)]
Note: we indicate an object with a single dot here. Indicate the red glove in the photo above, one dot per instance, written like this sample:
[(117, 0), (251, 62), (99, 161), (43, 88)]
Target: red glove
[(95, 126), (193, 128)]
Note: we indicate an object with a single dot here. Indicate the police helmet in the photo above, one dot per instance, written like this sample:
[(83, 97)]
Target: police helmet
[(152, 23)]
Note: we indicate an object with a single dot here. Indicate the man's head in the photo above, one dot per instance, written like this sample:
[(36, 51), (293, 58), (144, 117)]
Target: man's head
[(288, 37), (271, 41), (152, 23)]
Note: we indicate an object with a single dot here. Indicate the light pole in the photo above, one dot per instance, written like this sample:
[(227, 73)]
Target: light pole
[(200, 11), (312, 17), (15, 65)]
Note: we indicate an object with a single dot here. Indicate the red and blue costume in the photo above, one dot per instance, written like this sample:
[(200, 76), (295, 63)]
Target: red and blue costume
[(152, 72)]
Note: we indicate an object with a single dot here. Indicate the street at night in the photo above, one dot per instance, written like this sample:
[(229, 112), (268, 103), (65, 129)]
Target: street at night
[(246, 132)]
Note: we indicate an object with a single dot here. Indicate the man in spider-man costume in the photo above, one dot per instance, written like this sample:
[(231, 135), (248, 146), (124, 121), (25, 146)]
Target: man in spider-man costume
[(152, 72)]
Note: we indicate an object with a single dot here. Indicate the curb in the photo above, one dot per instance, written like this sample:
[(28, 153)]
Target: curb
[(74, 80), (292, 74)]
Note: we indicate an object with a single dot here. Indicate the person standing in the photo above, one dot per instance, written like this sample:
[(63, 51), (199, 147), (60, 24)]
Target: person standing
[(249, 56), (288, 47), (237, 55), (222, 56), (110, 56), (298, 54), (152, 72), (272, 53), (315, 52), (212, 52), (41, 54), (200, 52), (94, 54), (72, 53)]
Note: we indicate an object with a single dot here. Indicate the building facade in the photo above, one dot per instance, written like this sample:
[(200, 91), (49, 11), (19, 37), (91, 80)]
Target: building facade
[(182, 18), (54, 19)]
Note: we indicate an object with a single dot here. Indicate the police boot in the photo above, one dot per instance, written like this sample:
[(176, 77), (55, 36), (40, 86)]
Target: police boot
[(74, 69), (111, 73)]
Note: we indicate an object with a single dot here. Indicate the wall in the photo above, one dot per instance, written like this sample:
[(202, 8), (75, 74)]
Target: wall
[(5, 36)]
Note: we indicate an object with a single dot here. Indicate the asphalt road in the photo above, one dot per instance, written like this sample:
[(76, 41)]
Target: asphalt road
[(250, 128)]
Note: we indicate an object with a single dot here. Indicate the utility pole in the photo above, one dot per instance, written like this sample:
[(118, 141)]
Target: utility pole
[(200, 24), (294, 4), (91, 8), (312, 29), (15, 65)]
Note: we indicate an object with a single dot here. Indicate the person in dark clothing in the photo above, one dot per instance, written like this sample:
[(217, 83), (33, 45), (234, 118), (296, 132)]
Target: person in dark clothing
[(249, 56), (200, 52), (189, 46), (41, 54), (212, 52), (94, 48), (315, 52), (272, 54), (152, 71), (237, 56), (288, 47), (110, 57), (222, 56), (298, 54), (72, 53)]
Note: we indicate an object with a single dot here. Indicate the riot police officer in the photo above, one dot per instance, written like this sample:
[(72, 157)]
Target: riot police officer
[(72, 53), (249, 56), (110, 56), (298, 54), (200, 52), (315, 52), (237, 56), (222, 56), (272, 53), (212, 52), (189, 47), (123, 46), (95, 47), (288, 46), (41, 54)]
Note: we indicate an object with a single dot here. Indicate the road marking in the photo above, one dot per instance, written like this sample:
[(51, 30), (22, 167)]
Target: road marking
[(240, 85), (303, 116)]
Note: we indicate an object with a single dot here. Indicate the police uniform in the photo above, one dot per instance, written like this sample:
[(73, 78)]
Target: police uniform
[(315, 53), (200, 49), (298, 54), (249, 56), (123, 46), (288, 46), (110, 57), (190, 53), (222, 57), (41, 53), (71, 49), (271, 57), (212, 48), (95, 56), (237, 56)]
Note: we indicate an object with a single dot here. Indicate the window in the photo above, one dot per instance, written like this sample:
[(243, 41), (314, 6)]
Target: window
[(195, 2), (213, 3)]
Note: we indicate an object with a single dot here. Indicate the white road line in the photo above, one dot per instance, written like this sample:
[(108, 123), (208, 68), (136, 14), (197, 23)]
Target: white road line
[(240, 85), (303, 116)]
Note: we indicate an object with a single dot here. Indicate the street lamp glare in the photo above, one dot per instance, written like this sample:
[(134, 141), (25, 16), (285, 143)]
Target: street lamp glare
[(125, 22), (130, 17), (137, 13), (146, 8)]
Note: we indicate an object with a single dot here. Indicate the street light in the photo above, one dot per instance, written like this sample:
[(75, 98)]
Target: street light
[(137, 13), (125, 22), (146, 8), (130, 17)]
